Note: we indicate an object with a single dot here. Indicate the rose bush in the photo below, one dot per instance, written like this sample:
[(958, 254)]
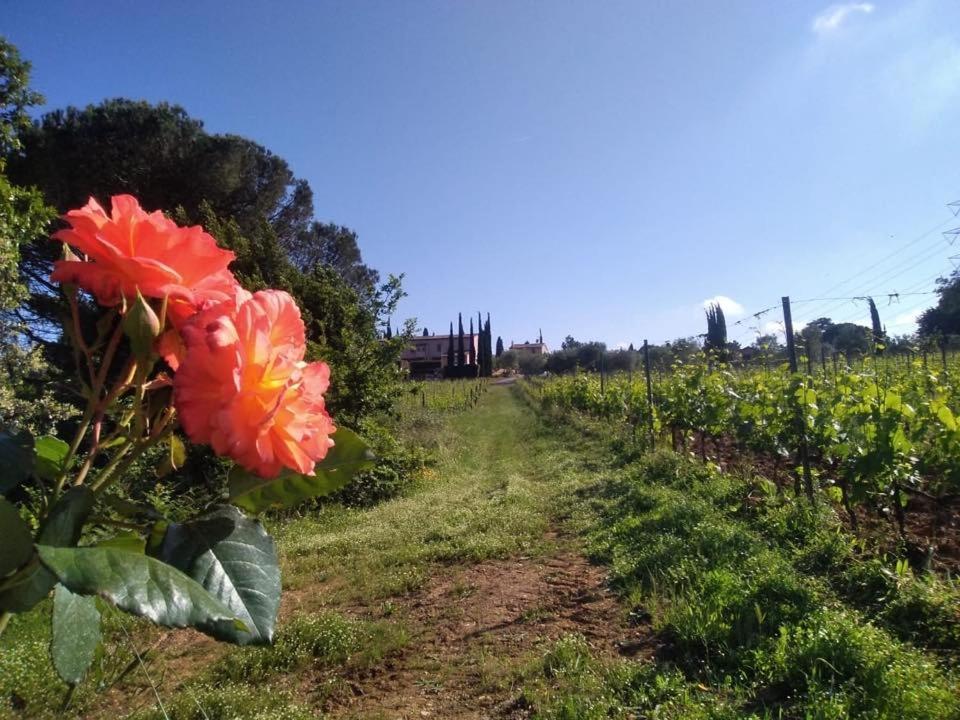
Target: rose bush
[(181, 346)]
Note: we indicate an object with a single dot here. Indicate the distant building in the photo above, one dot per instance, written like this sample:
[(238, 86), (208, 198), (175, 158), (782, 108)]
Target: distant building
[(529, 348), (426, 355)]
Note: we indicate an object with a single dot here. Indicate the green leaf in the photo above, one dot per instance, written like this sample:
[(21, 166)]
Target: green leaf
[(946, 417), (49, 455), (22, 591), (345, 459), (16, 544), (131, 542), (235, 559), (174, 458), (62, 528), (16, 459), (65, 521), (140, 585), (130, 509), (75, 634)]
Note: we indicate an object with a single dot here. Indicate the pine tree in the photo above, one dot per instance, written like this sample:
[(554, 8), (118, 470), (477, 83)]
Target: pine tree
[(450, 355), (716, 342), (499, 346), (461, 355)]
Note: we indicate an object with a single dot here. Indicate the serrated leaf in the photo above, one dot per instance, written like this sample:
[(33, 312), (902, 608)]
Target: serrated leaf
[(235, 559), (16, 459), (75, 634), (140, 585), (345, 459), (49, 455), (16, 544)]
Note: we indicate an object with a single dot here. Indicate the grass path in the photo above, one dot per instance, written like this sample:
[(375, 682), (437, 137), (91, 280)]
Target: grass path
[(430, 605)]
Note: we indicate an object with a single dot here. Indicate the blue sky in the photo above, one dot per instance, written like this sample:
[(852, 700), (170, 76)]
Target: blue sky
[(594, 169)]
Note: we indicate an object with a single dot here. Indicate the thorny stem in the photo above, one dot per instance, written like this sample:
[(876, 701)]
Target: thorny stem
[(122, 461), (92, 403), (98, 421), (78, 335)]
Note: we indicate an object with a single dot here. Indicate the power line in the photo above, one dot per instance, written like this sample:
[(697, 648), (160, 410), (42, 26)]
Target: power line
[(897, 296), (874, 283), (913, 242)]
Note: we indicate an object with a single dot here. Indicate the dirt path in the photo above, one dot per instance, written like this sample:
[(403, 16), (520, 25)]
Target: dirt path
[(476, 626), (473, 566)]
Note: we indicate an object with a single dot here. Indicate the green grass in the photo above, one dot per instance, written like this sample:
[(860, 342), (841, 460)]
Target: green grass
[(321, 640), (230, 701), (765, 609), (497, 482), (727, 591), (571, 683)]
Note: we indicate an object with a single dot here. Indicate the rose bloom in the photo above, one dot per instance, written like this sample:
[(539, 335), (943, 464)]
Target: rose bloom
[(243, 388), (131, 249)]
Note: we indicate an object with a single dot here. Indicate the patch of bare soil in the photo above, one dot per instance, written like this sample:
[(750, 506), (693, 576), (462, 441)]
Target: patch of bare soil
[(473, 624)]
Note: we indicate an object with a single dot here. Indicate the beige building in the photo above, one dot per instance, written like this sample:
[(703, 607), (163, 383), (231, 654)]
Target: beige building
[(427, 354), (528, 348)]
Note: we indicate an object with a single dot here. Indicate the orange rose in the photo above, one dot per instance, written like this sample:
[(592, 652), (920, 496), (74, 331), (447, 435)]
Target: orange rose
[(243, 388), (131, 249)]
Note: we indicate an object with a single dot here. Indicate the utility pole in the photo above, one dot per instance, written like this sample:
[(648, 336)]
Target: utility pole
[(646, 369), (800, 423)]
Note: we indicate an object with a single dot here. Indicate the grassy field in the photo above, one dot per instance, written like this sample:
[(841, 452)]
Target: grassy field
[(472, 596), (495, 486)]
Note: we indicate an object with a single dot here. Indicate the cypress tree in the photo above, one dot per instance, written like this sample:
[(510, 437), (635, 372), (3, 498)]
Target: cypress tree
[(716, 342), (425, 333), (487, 347), (480, 360), (879, 336), (461, 356), (499, 346), (450, 355), (472, 349), (389, 331)]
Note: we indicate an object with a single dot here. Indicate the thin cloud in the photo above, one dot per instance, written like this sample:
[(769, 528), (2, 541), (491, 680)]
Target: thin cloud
[(908, 318), (773, 327), (730, 307), (834, 16)]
